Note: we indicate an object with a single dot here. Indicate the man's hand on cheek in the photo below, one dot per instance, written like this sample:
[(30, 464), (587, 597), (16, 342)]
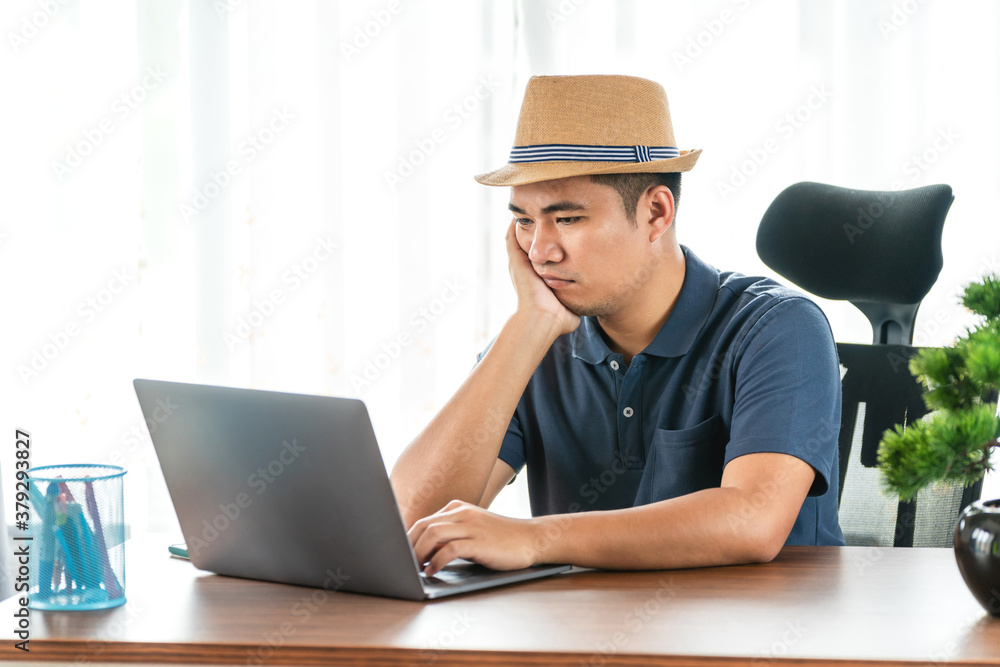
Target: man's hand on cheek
[(463, 530), (533, 295)]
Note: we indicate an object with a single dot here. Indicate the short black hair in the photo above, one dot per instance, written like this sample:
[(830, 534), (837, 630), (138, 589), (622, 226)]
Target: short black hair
[(632, 186)]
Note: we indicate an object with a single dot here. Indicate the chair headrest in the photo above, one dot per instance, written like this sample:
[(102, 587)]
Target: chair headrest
[(856, 245)]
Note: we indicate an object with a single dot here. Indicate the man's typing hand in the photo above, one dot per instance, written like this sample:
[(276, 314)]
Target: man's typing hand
[(534, 297), (463, 530)]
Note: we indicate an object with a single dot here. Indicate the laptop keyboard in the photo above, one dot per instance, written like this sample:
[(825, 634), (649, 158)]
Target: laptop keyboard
[(457, 573)]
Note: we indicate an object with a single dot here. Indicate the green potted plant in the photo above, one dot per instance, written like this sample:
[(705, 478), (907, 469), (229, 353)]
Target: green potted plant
[(954, 442)]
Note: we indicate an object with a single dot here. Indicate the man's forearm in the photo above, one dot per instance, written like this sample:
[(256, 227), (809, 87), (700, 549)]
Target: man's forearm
[(710, 527), (453, 457), (746, 520)]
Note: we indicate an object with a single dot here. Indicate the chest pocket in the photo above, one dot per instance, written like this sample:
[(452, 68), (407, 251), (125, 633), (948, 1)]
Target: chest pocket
[(682, 462)]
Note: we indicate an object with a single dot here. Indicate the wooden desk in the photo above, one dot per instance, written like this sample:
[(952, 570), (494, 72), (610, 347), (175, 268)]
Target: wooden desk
[(865, 605)]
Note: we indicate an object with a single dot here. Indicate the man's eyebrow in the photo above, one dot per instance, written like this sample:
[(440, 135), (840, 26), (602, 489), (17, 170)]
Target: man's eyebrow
[(551, 208)]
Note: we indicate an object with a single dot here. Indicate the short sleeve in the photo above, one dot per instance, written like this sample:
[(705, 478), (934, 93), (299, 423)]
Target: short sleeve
[(512, 447), (787, 390)]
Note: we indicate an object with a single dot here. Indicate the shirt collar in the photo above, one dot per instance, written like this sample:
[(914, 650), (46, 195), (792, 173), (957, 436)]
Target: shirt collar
[(691, 310)]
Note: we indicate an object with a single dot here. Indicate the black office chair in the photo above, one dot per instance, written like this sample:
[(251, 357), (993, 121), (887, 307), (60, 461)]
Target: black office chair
[(882, 252)]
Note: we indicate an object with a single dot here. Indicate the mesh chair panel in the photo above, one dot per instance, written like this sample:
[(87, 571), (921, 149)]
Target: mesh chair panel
[(867, 514), (870, 517), (938, 508)]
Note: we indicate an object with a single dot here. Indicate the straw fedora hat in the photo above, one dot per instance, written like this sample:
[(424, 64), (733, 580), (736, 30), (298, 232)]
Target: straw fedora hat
[(594, 124)]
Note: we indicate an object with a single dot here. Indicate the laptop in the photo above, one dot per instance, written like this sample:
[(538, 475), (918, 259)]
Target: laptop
[(292, 488)]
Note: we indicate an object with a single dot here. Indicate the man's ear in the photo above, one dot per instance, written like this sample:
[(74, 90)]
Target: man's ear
[(656, 211)]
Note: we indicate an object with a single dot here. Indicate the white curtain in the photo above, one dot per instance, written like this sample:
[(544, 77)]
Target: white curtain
[(280, 195)]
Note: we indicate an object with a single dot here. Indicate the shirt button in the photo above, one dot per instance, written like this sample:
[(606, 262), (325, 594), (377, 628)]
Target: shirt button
[(614, 365), (628, 412)]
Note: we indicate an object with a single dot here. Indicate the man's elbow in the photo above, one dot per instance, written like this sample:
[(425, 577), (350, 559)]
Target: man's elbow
[(763, 543), (765, 552)]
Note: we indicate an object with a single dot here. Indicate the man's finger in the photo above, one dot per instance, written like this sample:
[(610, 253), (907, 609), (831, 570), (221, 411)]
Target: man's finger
[(436, 536), (447, 553), (419, 526), (417, 529), (513, 248)]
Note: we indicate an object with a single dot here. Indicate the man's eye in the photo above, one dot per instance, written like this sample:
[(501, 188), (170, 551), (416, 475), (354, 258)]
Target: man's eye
[(568, 221), (523, 221)]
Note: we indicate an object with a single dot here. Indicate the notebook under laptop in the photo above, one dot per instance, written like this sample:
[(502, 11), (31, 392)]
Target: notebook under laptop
[(292, 488)]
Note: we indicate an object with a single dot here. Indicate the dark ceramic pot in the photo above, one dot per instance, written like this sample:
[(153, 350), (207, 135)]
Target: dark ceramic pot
[(977, 550)]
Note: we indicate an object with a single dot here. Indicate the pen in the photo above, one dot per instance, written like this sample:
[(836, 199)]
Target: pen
[(110, 580), (47, 547), (64, 488), (37, 498), (78, 538), (71, 566), (57, 572)]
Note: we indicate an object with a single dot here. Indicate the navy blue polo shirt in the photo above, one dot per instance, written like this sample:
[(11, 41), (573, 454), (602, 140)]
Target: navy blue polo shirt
[(742, 365)]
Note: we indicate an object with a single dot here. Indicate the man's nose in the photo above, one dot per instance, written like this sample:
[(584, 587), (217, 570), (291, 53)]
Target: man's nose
[(545, 245)]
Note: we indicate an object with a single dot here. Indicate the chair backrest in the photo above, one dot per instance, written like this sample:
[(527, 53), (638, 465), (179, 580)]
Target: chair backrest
[(879, 250), (882, 252)]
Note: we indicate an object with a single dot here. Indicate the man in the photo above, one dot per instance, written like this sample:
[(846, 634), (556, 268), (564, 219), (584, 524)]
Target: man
[(669, 415)]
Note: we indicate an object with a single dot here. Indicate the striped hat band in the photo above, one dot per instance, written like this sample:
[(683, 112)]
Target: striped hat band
[(584, 153)]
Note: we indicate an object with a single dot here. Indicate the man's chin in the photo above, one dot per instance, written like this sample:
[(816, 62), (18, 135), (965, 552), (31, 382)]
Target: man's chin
[(586, 310), (571, 307)]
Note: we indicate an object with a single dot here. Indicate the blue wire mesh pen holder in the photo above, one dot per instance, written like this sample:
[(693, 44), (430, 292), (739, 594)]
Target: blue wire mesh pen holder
[(78, 529)]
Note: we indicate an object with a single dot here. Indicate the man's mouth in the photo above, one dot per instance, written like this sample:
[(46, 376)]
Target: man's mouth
[(553, 281)]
